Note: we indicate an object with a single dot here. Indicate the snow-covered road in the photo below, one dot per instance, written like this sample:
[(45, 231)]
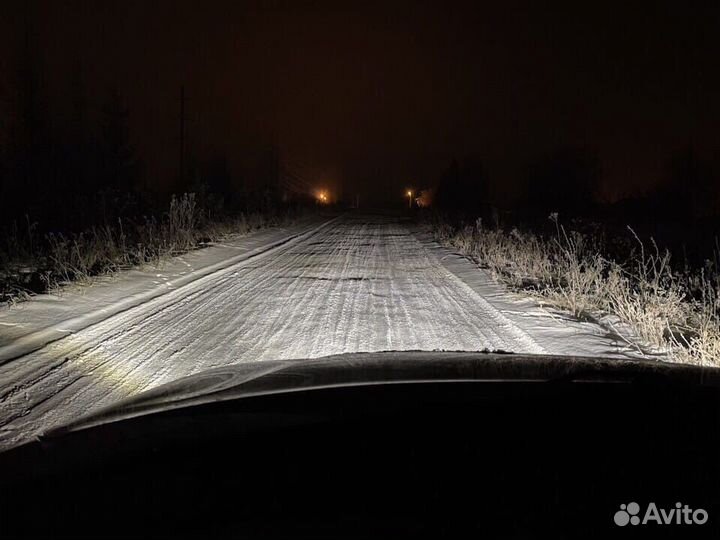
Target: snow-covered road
[(353, 283)]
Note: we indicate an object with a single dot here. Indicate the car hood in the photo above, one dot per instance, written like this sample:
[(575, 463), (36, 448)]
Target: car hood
[(269, 377)]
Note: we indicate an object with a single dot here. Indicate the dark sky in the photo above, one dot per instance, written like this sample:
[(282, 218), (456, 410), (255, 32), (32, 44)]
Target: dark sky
[(376, 96)]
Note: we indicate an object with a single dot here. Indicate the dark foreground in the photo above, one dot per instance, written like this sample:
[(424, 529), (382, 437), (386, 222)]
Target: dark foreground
[(459, 445)]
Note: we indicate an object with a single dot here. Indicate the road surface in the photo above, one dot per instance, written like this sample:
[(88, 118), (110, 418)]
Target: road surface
[(350, 284)]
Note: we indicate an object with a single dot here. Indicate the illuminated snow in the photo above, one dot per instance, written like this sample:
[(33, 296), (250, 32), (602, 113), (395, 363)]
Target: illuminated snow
[(350, 284)]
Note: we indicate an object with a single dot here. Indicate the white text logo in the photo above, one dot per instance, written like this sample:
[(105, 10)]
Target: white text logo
[(679, 515)]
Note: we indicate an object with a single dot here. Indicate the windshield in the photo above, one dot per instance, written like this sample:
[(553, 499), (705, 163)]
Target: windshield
[(195, 185)]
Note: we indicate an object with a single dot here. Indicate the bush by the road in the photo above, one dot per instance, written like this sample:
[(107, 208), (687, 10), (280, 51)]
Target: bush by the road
[(676, 312), (30, 263)]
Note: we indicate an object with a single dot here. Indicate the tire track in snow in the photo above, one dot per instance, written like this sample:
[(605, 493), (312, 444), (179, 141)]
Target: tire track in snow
[(131, 328), (361, 284)]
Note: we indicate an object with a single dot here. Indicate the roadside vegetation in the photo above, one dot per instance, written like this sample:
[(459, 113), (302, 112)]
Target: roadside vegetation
[(32, 262), (670, 310), (79, 198)]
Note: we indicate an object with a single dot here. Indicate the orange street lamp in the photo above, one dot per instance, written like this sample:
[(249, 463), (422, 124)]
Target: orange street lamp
[(409, 195)]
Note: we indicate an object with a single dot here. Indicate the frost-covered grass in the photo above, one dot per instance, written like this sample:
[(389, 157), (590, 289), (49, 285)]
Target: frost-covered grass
[(676, 312), (30, 264)]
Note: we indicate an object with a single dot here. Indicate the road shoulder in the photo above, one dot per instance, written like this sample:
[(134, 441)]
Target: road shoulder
[(558, 332), (30, 325)]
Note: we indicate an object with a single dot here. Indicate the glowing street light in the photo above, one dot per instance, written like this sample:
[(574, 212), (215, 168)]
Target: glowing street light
[(409, 194)]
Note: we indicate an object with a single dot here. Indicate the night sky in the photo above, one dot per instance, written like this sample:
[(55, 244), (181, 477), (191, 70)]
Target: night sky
[(374, 97)]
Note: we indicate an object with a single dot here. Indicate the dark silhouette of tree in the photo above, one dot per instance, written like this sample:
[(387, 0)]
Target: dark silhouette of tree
[(218, 177), (116, 179), (692, 190), (118, 163), (565, 181), (212, 183), (463, 189), (80, 151), (4, 143), (27, 152), (74, 159), (269, 177)]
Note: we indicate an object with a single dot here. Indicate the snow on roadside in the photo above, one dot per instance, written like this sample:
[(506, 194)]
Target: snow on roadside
[(28, 326), (558, 332)]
